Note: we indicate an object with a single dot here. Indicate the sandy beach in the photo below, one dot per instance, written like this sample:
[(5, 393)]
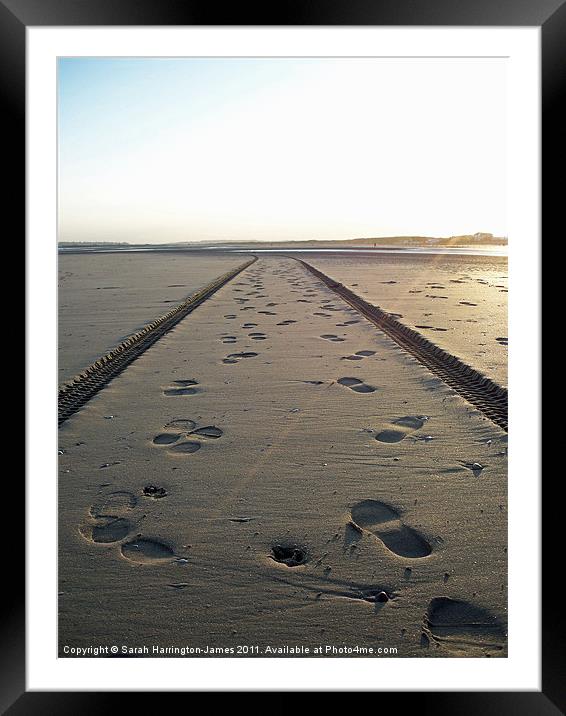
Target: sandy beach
[(275, 471), (458, 302), (107, 296)]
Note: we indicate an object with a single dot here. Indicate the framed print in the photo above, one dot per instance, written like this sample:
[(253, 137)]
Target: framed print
[(283, 315)]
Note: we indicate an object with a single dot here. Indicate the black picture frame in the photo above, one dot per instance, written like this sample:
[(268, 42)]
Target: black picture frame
[(550, 15)]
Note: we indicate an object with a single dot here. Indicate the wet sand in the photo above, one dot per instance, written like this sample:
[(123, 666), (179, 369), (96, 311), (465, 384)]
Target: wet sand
[(248, 481), (103, 298), (458, 302)]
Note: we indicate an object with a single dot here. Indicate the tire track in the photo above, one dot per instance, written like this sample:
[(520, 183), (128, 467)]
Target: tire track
[(476, 388), (73, 395)]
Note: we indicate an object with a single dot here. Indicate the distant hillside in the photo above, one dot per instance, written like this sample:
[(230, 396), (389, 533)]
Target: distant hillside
[(479, 239)]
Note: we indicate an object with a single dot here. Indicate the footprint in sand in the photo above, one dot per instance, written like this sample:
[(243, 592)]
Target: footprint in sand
[(288, 554), (182, 387), (462, 627), (147, 551), (156, 493), (359, 355), (107, 523), (236, 357), (475, 467), (166, 438), (229, 339), (183, 424), (390, 436), (209, 431), (332, 337), (385, 523), (181, 429), (404, 426), (114, 503), (357, 385), (414, 422), (257, 336), (186, 448), (286, 322), (106, 530)]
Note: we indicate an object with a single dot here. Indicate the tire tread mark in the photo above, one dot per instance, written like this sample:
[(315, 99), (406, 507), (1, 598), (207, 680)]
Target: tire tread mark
[(80, 389), (479, 390)]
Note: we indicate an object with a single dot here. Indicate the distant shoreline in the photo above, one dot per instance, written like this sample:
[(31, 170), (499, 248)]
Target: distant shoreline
[(475, 250)]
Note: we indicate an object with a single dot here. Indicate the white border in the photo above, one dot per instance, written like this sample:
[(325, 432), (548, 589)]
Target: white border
[(521, 671)]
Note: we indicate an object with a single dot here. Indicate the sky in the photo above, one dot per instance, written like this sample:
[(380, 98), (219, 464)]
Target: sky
[(193, 149)]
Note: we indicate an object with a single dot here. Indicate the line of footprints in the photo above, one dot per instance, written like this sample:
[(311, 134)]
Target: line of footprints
[(109, 521), (458, 624)]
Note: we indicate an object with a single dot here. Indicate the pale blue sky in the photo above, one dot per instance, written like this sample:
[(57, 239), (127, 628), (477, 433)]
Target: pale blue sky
[(158, 150)]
